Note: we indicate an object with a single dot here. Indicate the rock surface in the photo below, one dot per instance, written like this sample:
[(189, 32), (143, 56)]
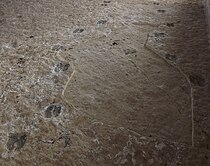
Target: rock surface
[(93, 82)]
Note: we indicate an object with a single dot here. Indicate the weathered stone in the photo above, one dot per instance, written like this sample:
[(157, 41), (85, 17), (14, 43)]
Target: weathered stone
[(121, 105)]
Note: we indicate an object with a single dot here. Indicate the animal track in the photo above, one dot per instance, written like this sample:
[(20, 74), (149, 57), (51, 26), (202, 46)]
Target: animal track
[(61, 67), (78, 30), (105, 3), (197, 80), (53, 110), (16, 141)]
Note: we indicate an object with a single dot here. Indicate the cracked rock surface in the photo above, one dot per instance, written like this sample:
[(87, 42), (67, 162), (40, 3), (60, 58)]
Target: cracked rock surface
[(93, 82)]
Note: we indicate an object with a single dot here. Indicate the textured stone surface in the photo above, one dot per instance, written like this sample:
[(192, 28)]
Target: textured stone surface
[(93, 82)]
